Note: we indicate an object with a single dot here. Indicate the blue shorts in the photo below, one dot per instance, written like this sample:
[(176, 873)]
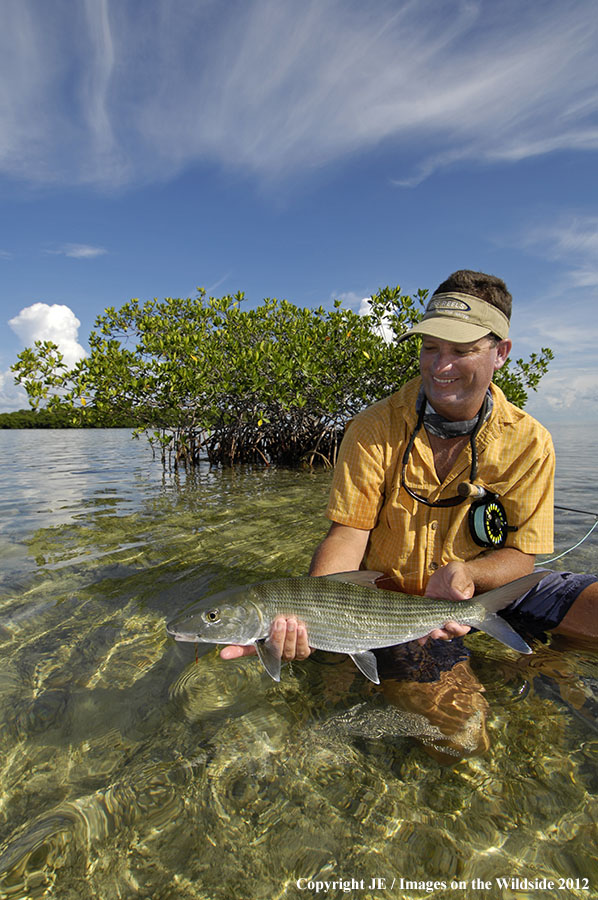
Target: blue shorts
[(546, 605)]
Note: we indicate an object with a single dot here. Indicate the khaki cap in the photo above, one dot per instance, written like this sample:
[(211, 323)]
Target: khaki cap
[(460, 318)]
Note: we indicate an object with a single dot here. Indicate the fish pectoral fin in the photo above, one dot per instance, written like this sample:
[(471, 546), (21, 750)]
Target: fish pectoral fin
[(366, 662), (269, 658), (502, 631), (362, 577)]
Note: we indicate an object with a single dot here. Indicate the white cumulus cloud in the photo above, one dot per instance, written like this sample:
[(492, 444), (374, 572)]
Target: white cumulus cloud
[(566, 393), (384, 329), (57, 323), (363, 306), (12, 396)]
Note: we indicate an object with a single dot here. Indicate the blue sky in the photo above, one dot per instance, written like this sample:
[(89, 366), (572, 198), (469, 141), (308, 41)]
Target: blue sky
[(307, 149)]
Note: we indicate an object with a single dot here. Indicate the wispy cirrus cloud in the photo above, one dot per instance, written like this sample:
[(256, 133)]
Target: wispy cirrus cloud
[(561, 315), (77, 251), (558, 316), (571, 240), (111, 93)]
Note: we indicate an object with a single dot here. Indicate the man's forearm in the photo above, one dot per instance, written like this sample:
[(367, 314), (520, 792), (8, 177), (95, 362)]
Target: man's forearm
[(496, 567), (341, 550)]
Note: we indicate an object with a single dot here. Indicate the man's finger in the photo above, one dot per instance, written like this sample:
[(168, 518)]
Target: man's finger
[(449, 631), (233, 651), (277, 635), (303, 648), (289, 649)]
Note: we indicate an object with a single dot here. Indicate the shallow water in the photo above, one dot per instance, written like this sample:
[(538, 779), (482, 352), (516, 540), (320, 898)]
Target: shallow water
[(128, 770)]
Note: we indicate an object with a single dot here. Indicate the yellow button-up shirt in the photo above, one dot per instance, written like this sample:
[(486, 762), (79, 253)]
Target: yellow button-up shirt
[(411, 540)]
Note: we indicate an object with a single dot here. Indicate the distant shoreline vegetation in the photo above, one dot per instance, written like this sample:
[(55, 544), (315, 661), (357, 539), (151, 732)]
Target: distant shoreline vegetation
[(206, 378), (61, 418)]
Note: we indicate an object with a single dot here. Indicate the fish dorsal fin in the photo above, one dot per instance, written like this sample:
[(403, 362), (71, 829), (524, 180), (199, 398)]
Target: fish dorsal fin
[(269, 658), (502, 631), (500, 597), (366, 662), (361, 577)]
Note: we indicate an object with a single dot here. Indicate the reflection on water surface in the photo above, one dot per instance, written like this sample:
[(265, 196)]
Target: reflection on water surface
[(129, 770)]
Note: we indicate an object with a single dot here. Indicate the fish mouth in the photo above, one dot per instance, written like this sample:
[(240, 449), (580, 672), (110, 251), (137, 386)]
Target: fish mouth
[(173, 631)]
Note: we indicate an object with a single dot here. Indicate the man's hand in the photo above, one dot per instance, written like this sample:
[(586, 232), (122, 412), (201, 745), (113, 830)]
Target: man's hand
[(288, 636), (450, 582)]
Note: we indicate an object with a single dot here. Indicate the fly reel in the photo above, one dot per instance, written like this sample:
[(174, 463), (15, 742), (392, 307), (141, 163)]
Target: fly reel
[(488, 522)]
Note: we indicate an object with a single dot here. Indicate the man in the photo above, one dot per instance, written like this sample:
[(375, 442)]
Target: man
[(396, 505)]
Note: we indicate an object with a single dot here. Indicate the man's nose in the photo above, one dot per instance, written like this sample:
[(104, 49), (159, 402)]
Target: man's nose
[(442, 361)]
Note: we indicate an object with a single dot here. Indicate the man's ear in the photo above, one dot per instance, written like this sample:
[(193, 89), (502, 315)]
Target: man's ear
[(503, 348)]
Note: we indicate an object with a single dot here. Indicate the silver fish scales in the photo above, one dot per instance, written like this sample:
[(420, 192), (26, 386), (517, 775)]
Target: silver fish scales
[(343, 614)]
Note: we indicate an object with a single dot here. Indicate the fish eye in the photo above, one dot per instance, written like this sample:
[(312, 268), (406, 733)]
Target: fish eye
[(212, 615)]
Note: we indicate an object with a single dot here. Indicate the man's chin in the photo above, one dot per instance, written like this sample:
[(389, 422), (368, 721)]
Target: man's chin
[(447, 404)]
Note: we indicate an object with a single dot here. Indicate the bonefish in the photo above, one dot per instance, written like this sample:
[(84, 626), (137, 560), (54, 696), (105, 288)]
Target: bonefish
[(343, 614)]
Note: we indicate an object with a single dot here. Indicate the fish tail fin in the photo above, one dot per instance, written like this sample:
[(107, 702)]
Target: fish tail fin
[(497, 628), (501, 596)]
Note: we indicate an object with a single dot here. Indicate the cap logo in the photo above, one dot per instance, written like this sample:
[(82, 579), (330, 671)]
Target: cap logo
[(448, 304)]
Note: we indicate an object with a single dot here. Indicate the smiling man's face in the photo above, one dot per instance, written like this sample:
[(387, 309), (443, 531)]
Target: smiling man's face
[(456, 376)]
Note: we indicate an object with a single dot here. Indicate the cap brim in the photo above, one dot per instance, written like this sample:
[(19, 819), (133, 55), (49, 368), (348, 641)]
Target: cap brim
[(447, 330)]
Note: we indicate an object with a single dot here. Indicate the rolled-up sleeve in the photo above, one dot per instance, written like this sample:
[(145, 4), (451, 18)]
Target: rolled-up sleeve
[(357, 492)]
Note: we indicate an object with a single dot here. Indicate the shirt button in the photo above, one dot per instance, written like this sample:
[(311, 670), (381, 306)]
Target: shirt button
[(433, 566)]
